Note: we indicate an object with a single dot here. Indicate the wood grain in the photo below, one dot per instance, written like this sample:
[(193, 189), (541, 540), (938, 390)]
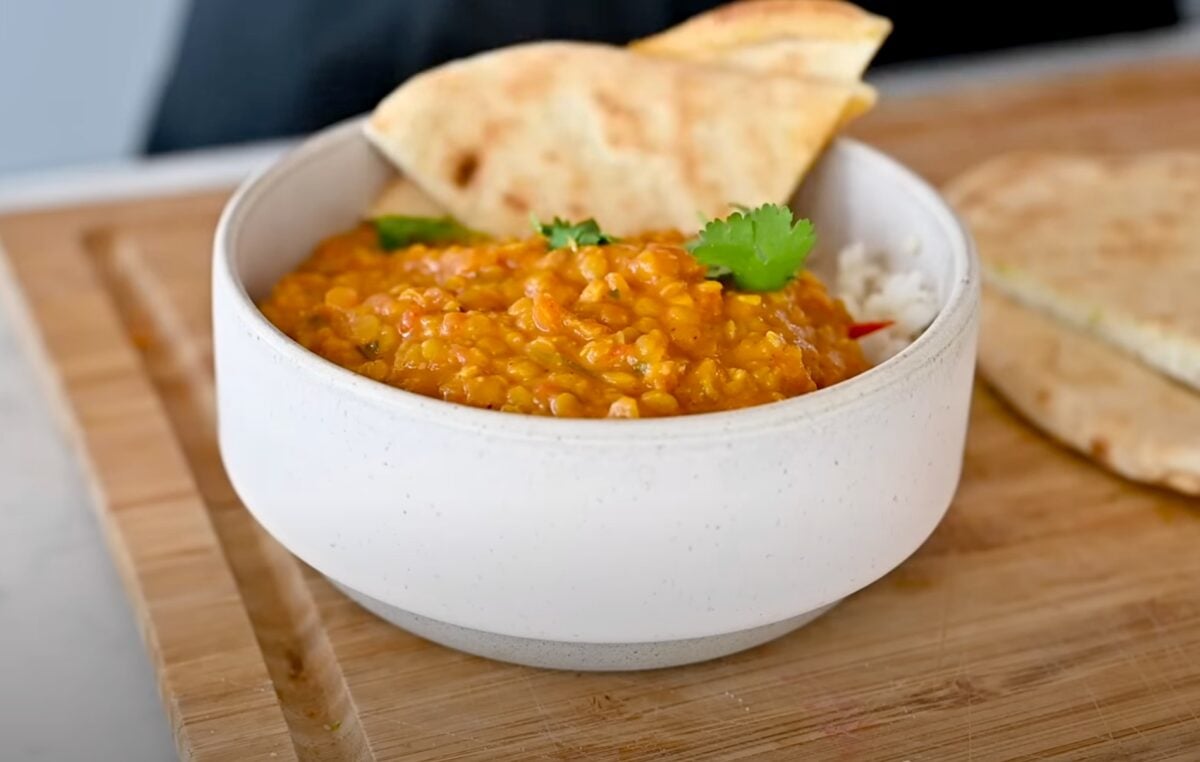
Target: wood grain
[(1118, 110), (1055, 612)]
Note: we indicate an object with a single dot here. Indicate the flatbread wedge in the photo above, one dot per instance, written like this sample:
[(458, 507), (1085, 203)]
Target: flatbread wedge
[(802, 38), (1109, 245), (1090, 396), (585, 130), (402, 196), (821, 39)]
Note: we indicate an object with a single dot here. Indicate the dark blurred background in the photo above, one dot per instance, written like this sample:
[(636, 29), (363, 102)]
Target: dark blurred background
[(88, 81), (253, 69)]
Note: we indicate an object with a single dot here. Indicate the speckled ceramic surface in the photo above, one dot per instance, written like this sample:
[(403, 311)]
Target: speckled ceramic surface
[(593, 531), (557, 654)]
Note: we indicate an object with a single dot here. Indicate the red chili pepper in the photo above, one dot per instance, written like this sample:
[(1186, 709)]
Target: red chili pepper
[(858, 330)]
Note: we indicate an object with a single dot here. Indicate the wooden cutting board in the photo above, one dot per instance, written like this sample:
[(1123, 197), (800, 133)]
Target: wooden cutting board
[(1055, 612)]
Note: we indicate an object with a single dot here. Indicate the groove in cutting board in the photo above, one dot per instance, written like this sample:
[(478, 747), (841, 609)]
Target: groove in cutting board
[(310, 686), (218, 695)]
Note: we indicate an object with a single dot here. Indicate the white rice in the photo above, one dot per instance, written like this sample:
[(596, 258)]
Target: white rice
[(874, 290)]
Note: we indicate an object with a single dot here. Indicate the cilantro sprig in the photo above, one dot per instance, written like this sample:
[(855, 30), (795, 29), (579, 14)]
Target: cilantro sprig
[(758, 249), (397, 231), (562, 234)]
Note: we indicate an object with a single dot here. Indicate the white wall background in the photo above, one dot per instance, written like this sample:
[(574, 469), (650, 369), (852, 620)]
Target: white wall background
[(78, 78)]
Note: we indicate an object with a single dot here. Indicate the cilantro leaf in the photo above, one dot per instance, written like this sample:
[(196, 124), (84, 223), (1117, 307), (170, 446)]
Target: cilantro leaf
[(397, 231), (561, 234), (758, 249)]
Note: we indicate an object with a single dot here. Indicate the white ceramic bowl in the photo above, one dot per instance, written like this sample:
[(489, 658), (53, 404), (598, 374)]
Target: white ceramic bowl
[(589, 544)]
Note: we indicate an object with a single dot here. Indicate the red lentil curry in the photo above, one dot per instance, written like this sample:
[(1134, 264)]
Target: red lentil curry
[(623, 329)]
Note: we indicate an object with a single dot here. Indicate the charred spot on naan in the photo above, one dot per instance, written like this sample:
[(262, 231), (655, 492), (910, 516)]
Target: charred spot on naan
[(515, 202), (621, 123), (1101, 450), (465, 168)]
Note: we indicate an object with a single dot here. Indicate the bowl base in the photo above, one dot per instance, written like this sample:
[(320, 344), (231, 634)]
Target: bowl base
[(581, 657)]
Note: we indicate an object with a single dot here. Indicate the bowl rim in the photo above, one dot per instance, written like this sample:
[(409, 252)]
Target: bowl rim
[(952, 320)]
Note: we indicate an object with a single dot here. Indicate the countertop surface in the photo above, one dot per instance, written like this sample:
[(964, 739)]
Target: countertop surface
[(76, 681)]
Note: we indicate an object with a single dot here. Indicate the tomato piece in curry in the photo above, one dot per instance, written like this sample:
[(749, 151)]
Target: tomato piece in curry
[(625, 330)]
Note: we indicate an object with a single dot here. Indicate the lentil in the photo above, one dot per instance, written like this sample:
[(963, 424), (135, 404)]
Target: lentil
[(629, 329)]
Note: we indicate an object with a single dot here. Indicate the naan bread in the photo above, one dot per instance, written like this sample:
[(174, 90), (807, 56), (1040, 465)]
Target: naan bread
[(803, 38), (819, 39), (1092, 397), (1110, 245), (401, 196), (583, 130)]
